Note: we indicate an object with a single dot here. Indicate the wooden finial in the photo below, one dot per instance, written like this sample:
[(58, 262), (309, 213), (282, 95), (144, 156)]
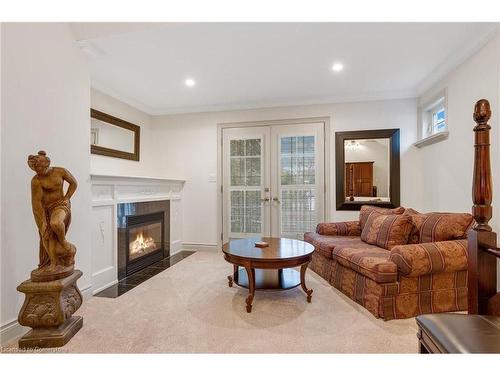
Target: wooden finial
[(481, 184), (482, 112)]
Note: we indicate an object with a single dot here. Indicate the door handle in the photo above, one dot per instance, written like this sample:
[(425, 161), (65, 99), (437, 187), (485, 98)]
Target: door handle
[(275, 199), (264, 199)]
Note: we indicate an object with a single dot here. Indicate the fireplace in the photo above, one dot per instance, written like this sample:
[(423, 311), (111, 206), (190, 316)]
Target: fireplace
[(143, 235), (145, 240)]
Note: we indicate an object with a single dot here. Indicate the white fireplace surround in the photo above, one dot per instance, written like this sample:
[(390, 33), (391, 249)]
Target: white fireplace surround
[(107, 192)]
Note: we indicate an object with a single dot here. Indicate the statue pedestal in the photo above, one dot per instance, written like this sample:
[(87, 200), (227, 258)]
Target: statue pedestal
[(48, 309)]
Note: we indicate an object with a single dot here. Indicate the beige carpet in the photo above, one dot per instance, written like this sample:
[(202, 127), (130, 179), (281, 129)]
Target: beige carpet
[(189, 308)]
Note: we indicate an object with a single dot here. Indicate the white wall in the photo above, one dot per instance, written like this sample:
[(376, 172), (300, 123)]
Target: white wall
[(446, 180), (447, 166), (104, 217), (189, 150), (147, 165), (45, 106)]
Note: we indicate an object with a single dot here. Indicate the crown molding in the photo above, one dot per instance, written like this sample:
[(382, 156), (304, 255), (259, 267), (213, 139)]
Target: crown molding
[(123, 98), (388, 95), (453, 61)]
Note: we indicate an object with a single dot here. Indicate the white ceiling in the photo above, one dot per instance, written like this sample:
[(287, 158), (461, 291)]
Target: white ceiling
[(247, 65)]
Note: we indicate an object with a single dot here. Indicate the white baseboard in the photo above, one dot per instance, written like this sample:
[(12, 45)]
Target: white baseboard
[(176, 251), (175, 247), (199, 246), (86, 292), (95, 291), (11, 331)]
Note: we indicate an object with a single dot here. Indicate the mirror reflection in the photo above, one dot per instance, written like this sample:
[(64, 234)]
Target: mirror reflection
[(114, 137), (366, 170), (110, 136)]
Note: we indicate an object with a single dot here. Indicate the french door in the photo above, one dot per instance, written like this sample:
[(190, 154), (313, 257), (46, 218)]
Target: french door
[(273, 180)]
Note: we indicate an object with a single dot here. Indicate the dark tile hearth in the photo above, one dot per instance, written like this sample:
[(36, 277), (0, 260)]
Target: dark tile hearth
[(130, 282)]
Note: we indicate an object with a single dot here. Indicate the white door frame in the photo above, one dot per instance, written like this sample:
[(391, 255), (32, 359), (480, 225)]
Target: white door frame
[(327, 175)]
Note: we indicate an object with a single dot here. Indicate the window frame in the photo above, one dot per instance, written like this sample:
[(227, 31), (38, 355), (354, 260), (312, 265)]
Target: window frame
[(427, 133)]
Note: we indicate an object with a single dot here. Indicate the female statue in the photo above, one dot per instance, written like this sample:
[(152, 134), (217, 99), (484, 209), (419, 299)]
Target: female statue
[(52, 212)]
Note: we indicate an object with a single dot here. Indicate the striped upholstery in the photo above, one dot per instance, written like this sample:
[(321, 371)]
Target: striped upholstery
[(386, 231), (431, 293), (433, 227), (372, 262), (406, 281), (433, 257), (366, 210), (326, 244), (347, 228), (409, 297)]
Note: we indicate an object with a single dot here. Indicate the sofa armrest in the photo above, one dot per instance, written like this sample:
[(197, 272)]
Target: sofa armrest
[(346, 228), (433, 257)]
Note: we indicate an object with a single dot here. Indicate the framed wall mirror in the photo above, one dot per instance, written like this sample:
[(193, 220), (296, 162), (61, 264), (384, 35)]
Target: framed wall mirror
[(367, 168), (111, 136)]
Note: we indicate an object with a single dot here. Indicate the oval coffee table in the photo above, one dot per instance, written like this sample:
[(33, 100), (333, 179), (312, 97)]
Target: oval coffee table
[(269, 267)]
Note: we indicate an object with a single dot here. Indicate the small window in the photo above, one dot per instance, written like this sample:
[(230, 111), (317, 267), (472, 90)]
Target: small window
[(433, 117), (439, 120)]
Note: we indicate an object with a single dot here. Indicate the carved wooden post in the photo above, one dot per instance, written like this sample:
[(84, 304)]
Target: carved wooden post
[(481, 183), (481, 265)]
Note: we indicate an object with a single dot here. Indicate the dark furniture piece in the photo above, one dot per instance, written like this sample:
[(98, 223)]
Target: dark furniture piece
[(340, 175), (457, 333), (268, 267), (359, 179), (448, 333)]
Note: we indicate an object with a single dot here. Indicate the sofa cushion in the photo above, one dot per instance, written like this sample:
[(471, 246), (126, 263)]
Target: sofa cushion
[(370, 261), (433, 257), (386, 231), (325, 244), (366, 210), (438, 226)]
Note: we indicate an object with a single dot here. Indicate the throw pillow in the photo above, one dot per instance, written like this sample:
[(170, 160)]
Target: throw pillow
[(440, 226), (387, 231), (366, 210)]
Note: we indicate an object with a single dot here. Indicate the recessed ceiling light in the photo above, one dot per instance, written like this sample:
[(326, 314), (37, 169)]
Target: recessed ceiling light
[(190, 82), (337, 67)]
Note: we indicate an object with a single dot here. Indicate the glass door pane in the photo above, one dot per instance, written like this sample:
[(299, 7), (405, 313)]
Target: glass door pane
[(297, 193), (244, 183), (297, 179)]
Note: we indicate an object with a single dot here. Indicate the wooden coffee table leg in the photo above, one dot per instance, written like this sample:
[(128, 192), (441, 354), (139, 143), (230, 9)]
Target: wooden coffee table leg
[(235, 274), (251, 288), (309, 292)]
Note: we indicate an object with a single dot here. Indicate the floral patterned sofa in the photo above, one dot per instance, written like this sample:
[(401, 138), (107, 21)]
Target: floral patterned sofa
[(397, 263)]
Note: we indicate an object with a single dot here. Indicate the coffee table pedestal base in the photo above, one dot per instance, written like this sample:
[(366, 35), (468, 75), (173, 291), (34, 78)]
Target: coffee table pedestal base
[(268, 279)]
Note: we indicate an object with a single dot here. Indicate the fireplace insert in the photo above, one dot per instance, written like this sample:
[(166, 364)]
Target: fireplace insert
[(143, 235), (144, 239)]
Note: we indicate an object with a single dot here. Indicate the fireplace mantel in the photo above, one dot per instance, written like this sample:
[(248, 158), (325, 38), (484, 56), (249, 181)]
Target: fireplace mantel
[(108, 191)]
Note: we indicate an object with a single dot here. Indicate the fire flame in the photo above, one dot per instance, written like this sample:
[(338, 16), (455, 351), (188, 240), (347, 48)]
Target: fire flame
[(141, 244)]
